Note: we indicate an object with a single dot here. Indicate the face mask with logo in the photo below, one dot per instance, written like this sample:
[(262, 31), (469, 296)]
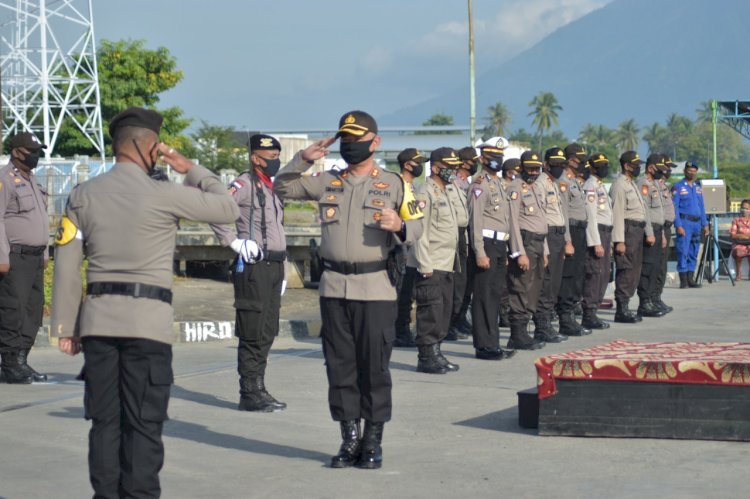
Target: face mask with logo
[(529, 178), (494, 165), (447, 175), (272, 167), (31, 159), (355, 153), (556, 170)]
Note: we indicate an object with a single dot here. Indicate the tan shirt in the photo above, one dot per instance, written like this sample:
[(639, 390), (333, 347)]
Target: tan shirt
[(572, 196), (436, 247), (599, 209), (555, 210), (23, 212), (627, 204), (526, 213), (350, 207), (652, 199), (126, 225), (488, 210), (666, 199)]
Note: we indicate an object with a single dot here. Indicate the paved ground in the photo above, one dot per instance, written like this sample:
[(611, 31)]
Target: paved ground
[(452, 435)]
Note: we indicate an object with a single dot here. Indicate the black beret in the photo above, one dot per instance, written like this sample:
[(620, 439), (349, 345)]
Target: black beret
[(411, 154), (554, 156), (630, 157), (357, 123), (446, 156), (26, 140), (263, 142), (531, 159), (136, 117), (576, 150)]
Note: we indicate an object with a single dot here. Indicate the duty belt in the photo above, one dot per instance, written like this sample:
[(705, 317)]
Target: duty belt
[(635, 223), (690, 217), (656, 225), (275, 256), (494, 235), (348, 268), (578, 223), (668, 224), (532, 235), (604, 228), (134, 289), (22, 249), (556, 229)]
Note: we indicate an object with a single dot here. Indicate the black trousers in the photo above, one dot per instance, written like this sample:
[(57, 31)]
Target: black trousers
[(525, 287), (571, 286), (405, 299), (434, 300), (21, 302), (357, 344), (597, 271), (485, 305), (460, 278), (257, 299), (126, 398), (554, 271), (629, 263), (651, 266), (661, 278)]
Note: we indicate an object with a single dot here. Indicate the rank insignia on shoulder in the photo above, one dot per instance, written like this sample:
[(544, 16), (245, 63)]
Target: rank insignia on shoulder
[(514, 195), (477, 192), (381, 185), (66, 232)]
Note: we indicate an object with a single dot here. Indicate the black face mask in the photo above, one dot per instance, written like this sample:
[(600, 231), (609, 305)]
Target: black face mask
[(586, 173), (580, 168), (602, 171), (355, 153), (417, 170), (31, 159), (667, 174), (272, 167), (658, 174), (529, 178), (556, 171), (474, 168), (635, 171)]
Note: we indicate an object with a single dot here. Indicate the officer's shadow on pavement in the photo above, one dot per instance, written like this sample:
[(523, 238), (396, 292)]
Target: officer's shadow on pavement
[(505, 421), (201, 398)]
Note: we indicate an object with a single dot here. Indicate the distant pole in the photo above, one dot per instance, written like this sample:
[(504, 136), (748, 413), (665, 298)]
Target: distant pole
[(714, 119), (472, 91)]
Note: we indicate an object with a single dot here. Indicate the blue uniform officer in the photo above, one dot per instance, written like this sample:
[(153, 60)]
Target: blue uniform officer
[(690, 221)]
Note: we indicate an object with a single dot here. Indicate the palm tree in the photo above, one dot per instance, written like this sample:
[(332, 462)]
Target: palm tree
[(628, 136), (655, 137), (544, 110), (596, 137), (498, 118), (704, 112)]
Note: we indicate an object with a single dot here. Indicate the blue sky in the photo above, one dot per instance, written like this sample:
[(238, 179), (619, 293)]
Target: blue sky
[(282, 64)]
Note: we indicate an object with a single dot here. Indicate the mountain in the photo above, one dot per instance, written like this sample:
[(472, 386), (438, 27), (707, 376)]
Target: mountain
[(641, 59)]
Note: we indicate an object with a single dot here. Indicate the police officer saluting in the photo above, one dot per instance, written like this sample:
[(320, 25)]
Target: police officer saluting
[(360, 225), (629, 224), (690, 221), (529, 251), (24, 234), (434, 257), (125, 224), (259, 272)]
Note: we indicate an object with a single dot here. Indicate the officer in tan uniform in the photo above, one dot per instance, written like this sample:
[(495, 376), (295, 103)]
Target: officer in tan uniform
[(125, 224), (24, 234), (364, 213), (434, 257), (488, 226), (648, 185), (669, 216), (511, 169), (598, 241), (259, 270), (629, 224), (528, 251), (558, 241)]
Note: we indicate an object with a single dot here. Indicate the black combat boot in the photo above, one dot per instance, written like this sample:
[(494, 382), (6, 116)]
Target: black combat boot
[(544, 331), (624, 314), (502, 319), (591, 321), (520, 339), (428, 360), (692, 282), (350, 445), (23, 355), (371, 457), (455, 333), (464, 323), (646, 308), (683, 280), (404, 338), (569, 326), (450, 366), (255, 398), (660, 304), (496, 353), (578, 310), (13, 372)]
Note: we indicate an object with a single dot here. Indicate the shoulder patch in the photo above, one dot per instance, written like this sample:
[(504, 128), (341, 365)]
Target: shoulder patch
[(563, 186), (514, 195), (66, 232), (644, 190), (477, 192), (316, 174)]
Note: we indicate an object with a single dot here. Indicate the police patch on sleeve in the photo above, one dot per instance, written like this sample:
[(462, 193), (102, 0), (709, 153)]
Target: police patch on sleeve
[(410, 208), (514, 195), (477, 192), (66, 232)]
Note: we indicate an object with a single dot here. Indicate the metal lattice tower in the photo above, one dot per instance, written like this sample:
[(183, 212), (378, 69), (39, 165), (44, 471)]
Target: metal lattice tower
[(48, 65)]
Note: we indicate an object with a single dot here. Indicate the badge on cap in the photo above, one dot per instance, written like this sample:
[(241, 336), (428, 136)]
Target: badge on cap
[(266, 142), (349, 119)]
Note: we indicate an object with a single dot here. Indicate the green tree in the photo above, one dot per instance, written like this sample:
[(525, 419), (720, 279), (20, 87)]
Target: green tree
[(627, 136), (522, 137), (498, 118), (438, 119), (657, 138), (545, 110), (217, 148)]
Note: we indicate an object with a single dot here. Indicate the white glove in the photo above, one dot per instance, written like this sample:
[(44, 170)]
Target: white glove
[(283, 287), (248, 250)]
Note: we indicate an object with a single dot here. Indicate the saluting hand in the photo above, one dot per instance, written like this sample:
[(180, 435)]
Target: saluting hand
[(177, 161), (389, 220), (71, 346), (318, 149)]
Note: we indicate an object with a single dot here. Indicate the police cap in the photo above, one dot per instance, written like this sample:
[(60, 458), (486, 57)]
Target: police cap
[(27, 141), (411, 154), (446, 156), (512, 164), (576, 150), (655, 159), (531, 159), (555, 156), (357, 123), (468, 154), (263, 142), (630, 157)]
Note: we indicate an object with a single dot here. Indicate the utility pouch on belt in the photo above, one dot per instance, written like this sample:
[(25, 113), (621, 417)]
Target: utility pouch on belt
[(396, 265)]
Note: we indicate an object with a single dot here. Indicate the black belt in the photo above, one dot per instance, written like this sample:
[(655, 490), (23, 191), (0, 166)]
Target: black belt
[(690, 217), (635, 223), (668, 224), (533, 235), (22, 249), (275, 256), (656, 226), (556, 229), (134, 289), (348, 268), (604, 228), (578, 223)]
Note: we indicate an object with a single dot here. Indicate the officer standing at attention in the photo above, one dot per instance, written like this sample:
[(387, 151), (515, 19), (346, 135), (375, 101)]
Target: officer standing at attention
[(360, 225), (511, 169), (24, 235), (648, 185), (571, 287), (668, 206), (434, 257), (558, 241), (598, 240), (529, 251), (690, 221), (488, 226), (259, 273), (125, 223), (629, 223), (411, 163)]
